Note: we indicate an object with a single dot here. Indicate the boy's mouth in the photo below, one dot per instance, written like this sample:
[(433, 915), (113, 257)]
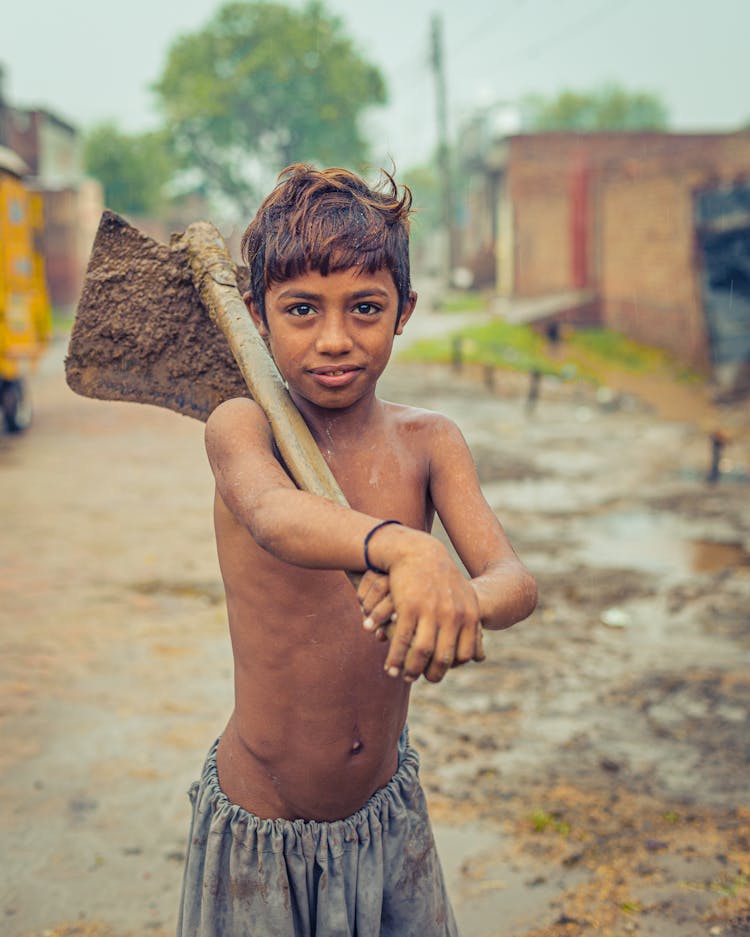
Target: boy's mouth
[(335, 377)]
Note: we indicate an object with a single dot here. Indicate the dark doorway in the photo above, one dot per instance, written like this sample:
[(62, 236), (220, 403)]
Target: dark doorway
[(722, 217)]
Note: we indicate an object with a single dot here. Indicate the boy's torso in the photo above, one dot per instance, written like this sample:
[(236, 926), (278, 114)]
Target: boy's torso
[(316, 723)]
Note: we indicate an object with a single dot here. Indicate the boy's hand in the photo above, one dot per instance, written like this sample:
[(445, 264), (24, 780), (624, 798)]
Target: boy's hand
[(434, 609), (374, 594)]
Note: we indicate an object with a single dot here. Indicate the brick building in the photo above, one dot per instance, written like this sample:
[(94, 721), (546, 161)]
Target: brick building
[(647, 232), (72, 203)]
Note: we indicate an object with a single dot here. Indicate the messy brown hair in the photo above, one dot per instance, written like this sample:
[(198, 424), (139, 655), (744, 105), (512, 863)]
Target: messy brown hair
[(328, 220)]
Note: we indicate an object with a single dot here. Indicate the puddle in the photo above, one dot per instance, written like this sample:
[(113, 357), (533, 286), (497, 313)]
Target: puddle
[(556, 496), (655, 543), (486, 885)]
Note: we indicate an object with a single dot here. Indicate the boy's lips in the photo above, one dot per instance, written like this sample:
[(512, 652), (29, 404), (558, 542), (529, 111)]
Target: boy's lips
[(332, 376)]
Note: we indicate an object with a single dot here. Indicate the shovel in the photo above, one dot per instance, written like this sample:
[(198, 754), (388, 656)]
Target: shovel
[(167, 325)]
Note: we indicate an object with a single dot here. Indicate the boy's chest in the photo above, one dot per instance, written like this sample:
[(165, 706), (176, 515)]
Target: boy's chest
[(384, 480)]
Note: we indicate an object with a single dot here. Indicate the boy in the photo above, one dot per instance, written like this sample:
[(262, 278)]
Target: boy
[(309, 818)]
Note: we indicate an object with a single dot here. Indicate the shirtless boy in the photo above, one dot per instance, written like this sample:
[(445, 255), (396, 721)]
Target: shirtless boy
[(309, 818)]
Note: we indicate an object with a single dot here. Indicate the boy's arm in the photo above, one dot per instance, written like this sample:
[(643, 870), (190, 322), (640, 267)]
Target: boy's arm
[(310, 531), (503, 590), (293, 525)]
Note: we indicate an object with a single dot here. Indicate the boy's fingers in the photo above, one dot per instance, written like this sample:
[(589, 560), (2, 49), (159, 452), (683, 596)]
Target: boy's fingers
[(435, 671), (386, 631), (479, 654), (371, 590), (369, 581), (444, 656), (380, 614), (401, 639), (421, 650), (467, 643), (438, 666)]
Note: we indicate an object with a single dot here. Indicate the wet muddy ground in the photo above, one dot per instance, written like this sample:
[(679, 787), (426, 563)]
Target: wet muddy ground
[(591, 777)]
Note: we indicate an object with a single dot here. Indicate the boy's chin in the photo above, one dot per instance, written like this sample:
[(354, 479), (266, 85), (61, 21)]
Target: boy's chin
[(326, 400)]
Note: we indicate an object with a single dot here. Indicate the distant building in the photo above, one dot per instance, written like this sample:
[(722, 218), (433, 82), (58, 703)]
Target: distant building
[(73, 203), (50, 147), (645, 233)]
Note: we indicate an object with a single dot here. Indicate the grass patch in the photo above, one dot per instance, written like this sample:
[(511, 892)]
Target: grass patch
[(730, 886), (542, 821), (461, 302), (631, 907), (611, 348), (498, 343), (587, 354)]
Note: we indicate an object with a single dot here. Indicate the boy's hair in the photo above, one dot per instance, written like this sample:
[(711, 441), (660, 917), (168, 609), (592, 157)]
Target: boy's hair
[(328, 220)]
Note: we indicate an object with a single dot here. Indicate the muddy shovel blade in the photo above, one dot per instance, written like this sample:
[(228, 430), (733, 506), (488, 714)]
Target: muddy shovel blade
[(141, 332)]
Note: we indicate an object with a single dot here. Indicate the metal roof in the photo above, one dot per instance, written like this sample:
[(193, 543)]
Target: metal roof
[(11, 162)]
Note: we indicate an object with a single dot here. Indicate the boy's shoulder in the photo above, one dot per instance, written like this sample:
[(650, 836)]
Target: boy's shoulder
[(240, 423), (233, 411), (418, 416), (428, 424)]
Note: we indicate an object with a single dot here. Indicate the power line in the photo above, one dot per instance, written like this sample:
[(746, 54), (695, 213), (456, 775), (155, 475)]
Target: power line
[(475, 31), (577, 26), (481, 28), (590, 18), (417, 74)]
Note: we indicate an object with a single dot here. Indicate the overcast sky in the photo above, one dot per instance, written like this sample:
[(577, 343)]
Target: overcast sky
[(90, 60)]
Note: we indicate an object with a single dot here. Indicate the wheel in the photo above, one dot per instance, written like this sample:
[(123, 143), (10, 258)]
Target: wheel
[(16, 406)]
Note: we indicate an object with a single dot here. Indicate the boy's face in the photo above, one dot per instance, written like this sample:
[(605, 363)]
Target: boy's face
[(331, 336)]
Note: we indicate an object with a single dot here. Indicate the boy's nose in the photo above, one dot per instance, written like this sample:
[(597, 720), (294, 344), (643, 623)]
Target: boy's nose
[(333, 337)]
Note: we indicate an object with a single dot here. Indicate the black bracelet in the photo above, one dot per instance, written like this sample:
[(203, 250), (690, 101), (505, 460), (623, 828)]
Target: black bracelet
[(375, 529)]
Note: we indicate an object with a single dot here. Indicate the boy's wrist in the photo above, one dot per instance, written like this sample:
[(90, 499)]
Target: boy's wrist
[(479, 592), (386, 544), (372, 567)]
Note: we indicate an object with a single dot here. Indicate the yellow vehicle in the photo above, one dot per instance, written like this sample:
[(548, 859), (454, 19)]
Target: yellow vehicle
[(25, 314)]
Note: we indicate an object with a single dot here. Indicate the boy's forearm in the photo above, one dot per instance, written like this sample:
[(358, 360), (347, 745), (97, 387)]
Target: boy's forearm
[(311, 531), (506, 593)]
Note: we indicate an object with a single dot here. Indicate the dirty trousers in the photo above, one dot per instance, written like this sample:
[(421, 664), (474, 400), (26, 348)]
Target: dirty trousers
[(374, 874)]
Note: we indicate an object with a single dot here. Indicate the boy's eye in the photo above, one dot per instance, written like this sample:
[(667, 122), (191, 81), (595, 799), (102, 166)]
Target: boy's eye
[(301, 310), (366, 309)]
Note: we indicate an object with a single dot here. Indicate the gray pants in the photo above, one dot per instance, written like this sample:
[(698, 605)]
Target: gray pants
[(374, 874)]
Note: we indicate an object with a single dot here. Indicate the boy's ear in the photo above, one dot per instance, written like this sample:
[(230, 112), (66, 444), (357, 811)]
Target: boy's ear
[(406, 312), (255, 314)]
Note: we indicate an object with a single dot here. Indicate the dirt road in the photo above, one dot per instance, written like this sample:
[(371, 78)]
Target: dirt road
[(591, 777)]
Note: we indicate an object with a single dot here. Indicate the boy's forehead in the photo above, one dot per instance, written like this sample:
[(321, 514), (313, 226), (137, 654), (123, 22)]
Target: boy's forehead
[(358, 277)]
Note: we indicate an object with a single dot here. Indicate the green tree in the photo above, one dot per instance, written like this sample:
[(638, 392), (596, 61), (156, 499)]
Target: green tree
[(263, 86), (610, 107), (133, 168)]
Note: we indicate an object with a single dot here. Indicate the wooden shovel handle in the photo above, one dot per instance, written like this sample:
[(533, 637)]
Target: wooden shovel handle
[(215, 279)]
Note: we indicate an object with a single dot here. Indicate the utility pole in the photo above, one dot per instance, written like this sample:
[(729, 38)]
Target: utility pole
[(443, 148)]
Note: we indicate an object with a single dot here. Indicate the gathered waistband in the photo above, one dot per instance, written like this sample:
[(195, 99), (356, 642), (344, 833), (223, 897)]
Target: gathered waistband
[(281, 835)]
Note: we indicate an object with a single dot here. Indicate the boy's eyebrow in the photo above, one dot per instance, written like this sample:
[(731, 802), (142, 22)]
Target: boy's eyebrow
[(358, 294)]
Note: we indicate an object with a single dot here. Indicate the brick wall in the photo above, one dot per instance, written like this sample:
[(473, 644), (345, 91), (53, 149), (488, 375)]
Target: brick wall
[(22, 135), (628, 232), (542, 246), (648, 279), (61, 258), (70, 220)]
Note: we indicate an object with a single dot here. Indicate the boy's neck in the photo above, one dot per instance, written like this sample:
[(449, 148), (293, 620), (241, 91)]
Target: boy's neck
[(329, 425)]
